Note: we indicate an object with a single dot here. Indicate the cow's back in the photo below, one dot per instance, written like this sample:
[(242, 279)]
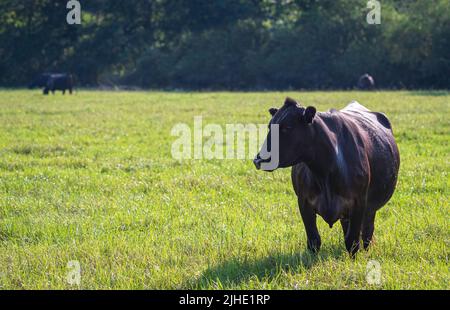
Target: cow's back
[(60, 82)]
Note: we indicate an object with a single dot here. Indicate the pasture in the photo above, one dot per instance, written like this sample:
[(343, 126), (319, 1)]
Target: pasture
[(90, 178)]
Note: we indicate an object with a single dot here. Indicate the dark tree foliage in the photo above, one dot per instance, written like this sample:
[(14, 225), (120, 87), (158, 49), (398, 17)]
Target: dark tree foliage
[(228, 44)]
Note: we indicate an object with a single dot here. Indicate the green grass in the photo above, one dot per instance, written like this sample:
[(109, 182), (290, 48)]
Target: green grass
[(89, 177)]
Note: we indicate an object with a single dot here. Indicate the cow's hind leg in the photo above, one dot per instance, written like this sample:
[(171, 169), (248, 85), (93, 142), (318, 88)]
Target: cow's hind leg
[(64, 91), (368, 228), (354, 229), (309, 220)]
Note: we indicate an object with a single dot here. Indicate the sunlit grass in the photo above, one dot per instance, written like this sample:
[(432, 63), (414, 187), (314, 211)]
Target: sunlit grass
[(90, 177)]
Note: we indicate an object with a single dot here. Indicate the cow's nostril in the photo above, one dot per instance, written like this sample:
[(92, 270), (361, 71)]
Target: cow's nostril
[(257, 162)]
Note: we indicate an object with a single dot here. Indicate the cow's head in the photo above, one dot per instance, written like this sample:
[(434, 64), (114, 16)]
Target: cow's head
[(289, 140)]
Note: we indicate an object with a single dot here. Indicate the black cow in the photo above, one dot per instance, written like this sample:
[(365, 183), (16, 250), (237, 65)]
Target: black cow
[(345, 166), (59, 82), (366, 82)]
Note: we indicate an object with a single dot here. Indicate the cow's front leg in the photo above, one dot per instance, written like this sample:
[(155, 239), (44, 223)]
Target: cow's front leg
[(309, 220), (354, 229), (344, 224)]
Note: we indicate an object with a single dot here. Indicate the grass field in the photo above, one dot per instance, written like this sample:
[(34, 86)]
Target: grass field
[(90, 178)]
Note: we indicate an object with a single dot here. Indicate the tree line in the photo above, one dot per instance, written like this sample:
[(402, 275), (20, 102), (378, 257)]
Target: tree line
[(233, 44)]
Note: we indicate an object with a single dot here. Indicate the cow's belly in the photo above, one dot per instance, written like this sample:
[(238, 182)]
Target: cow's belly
[(329, 199), (331, 207)]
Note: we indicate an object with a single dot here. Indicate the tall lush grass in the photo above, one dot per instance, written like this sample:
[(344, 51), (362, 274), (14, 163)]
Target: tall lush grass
[(90, 177)]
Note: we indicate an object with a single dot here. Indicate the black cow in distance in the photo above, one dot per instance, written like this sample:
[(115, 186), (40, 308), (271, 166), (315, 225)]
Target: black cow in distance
[(54, 81), (366, 82)]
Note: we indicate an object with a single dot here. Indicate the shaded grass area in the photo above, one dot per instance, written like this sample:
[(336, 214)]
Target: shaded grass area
[(90, 177)]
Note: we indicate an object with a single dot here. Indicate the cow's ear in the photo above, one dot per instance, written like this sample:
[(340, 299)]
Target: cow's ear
[(309, 114), (273, 111)]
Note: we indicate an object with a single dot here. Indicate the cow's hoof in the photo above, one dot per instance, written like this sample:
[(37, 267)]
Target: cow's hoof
[(368, 243), (314, 246), (352, 248)]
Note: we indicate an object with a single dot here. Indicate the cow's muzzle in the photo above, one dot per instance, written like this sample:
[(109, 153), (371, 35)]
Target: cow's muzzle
[(258, 161)]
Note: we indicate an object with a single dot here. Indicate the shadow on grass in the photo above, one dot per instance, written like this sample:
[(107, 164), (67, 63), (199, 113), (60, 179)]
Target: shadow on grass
[(238, 270)]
